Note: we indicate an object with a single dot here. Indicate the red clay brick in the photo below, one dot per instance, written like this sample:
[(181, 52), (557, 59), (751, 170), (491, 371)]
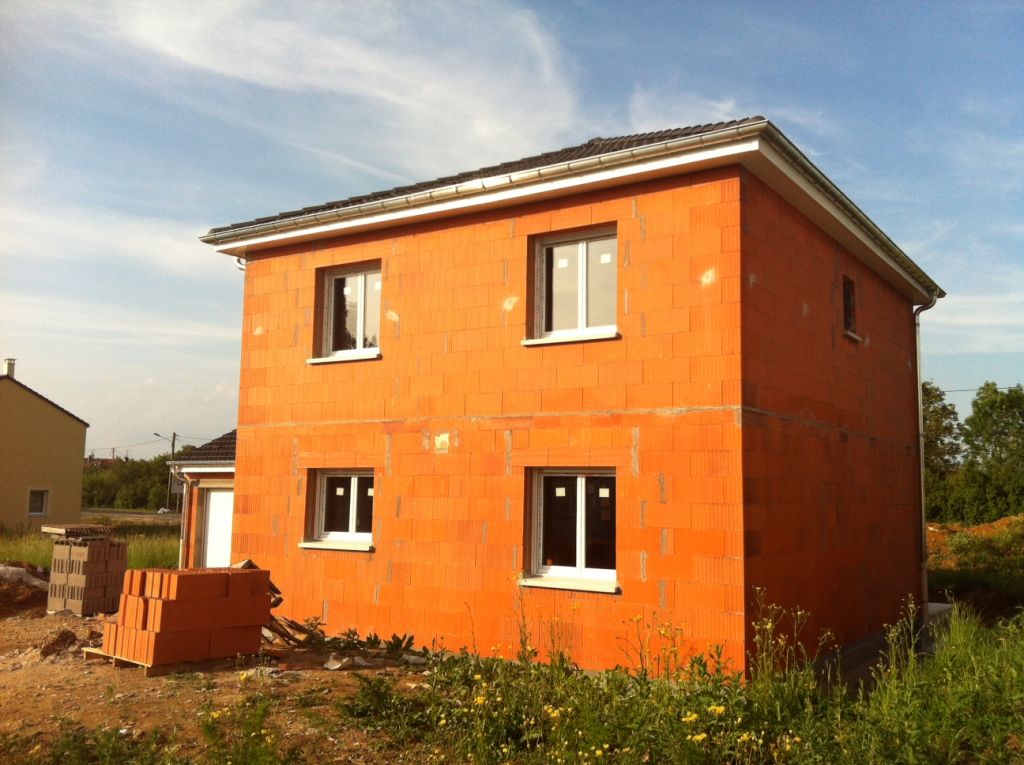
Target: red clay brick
[(233, 641)]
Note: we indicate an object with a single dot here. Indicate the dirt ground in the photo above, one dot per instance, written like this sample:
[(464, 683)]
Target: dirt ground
[(55, 692), (62, 689)]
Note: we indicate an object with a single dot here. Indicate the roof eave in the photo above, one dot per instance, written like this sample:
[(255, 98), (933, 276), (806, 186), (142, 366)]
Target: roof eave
[(238, 238), (758, 146)]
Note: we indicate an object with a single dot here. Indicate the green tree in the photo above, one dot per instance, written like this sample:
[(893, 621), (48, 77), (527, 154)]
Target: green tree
[(991, 484), (943, 449)]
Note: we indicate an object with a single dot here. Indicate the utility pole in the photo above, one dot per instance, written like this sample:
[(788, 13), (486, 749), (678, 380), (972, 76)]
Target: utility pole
[(174, 437)]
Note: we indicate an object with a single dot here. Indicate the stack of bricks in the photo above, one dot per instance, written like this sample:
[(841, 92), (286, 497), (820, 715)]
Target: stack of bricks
[(86, 575), (167, 616)]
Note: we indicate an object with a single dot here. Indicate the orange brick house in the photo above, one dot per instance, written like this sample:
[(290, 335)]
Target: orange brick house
[(636, 377)]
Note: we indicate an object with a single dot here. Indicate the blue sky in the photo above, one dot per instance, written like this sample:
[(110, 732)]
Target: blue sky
[(127, 129)]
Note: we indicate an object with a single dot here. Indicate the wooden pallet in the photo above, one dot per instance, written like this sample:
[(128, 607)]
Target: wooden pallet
[(158, 670)]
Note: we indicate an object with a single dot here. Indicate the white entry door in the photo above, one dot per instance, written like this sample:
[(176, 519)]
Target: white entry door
[(220, 505)]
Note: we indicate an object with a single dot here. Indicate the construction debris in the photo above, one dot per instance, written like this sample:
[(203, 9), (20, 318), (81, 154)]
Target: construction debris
[(60, 642), (78, 530)]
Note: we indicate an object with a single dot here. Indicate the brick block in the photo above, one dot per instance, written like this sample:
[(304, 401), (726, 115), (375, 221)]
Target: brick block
[(153, 582), (234, 641), (183, 615), (109, 637), (56, 597), (243, 582), (243, 611), (173, 647), (197, 584)]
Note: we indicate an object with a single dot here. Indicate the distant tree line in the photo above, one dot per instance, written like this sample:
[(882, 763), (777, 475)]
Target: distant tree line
[(128, 484), (974, 470)]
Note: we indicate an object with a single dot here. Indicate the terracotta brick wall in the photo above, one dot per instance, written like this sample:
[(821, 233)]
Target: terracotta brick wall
[(658, 405), (830, 433)]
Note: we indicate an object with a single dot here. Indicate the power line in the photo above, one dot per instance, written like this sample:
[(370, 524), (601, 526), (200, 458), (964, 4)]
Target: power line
[(974, 390), (124, 446)]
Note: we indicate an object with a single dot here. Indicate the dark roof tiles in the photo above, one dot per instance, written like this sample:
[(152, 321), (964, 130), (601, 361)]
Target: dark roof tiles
[(220, 449), (592, 148)]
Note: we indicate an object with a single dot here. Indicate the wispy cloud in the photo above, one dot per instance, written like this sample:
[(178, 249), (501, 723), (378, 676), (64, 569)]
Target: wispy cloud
[(976, 324), (488, 82), (654, 108), (30, 233), (983, 159), (49, 319)]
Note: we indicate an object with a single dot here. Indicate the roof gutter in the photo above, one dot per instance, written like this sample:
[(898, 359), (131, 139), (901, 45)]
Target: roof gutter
[(766, 146), (494, 183), (798, 160)]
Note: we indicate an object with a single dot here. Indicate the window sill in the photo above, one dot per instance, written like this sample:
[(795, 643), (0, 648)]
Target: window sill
[(362, 354), (580, 336), (353, 546), (565, 583), (851, 336)]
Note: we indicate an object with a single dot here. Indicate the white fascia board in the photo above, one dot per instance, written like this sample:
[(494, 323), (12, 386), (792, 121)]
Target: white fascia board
[(795, 187), (207, 469), (697, 159)]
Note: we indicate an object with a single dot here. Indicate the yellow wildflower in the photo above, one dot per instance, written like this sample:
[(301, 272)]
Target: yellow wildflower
[(716, 709), (479, 700), (697, 737), (689, 718)]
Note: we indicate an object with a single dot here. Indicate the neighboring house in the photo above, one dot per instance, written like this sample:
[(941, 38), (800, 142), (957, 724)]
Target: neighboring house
[(639, 377), (208, 508), (41, 449)]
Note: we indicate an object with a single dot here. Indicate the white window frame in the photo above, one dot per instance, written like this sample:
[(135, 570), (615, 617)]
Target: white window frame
[(340, 540), (568, 577), (360, 274), (581, 331), (46, 503)]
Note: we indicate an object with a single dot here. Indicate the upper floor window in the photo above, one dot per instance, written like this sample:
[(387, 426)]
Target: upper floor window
[(849, 307), (575, 280), (38, 499), (351, 314)]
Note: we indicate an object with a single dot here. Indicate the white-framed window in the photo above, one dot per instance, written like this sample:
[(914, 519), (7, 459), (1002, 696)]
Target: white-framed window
[(576, 293), (350, 316), (344, 506), (38, 501), (574, 524)]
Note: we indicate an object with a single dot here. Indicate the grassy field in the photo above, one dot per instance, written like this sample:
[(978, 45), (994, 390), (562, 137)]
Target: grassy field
[(953, 694), (961, 701), (149, 546)]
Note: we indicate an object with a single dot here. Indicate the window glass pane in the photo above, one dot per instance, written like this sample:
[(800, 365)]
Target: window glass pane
[(601, 269), (558, 546), (364, 504), (336, 503), (561, 272), (600, 522), (371, 322), (346, 307), (849, 306), (36, 502)]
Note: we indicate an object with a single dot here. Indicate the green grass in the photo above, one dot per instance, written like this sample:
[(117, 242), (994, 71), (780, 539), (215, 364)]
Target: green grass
[(157, 548), (961, 702)]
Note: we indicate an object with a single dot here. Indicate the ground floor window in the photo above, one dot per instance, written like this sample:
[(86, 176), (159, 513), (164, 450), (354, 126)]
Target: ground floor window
[(38, 499), (344, 508), (574, 524)]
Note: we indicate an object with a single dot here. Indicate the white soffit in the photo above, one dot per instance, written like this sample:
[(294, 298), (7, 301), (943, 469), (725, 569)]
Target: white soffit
[(700, 159), (787, 172)]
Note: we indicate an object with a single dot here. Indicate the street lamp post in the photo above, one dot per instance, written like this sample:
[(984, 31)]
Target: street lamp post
[(172, 439)]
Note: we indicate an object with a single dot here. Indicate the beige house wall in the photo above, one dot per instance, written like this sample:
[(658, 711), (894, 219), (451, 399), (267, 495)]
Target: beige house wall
[(41, 447)]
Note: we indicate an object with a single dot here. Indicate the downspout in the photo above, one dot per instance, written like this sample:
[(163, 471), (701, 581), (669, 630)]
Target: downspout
[(186, 491), (920, 452)]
